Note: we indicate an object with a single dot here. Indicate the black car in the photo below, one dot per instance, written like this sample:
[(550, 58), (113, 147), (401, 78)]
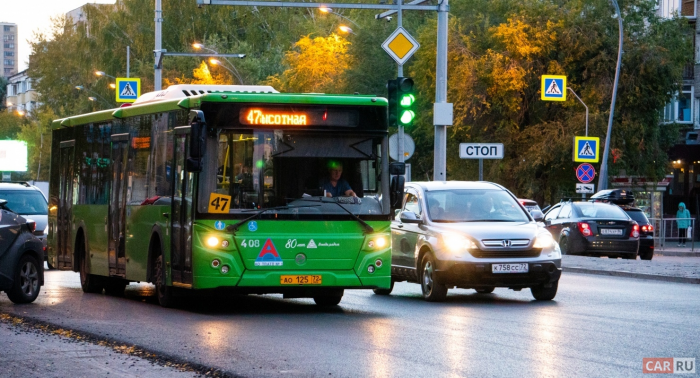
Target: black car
[(625, 200), (593, 229), (21, 254)]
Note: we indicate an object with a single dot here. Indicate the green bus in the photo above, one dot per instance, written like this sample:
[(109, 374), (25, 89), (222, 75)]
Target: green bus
[(226, 188)]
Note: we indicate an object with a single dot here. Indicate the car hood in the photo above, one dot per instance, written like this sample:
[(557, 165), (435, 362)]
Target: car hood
[(492, 230)]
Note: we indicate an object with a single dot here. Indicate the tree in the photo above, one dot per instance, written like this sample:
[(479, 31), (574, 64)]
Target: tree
[(3, 93), (315, 65)]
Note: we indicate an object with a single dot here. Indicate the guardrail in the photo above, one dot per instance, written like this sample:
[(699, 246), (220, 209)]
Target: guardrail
[(666, 229)]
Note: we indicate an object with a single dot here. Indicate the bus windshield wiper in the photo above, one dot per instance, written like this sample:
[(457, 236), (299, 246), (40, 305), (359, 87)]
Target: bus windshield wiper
[(234, 227), (367, 227)]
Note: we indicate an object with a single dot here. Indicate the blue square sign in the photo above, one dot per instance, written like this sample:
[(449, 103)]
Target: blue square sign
[(586, 149), (553, 88), (128, 89)]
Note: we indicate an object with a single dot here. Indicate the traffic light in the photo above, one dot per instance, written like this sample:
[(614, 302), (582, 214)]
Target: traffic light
[(406, 101), (393, 103)]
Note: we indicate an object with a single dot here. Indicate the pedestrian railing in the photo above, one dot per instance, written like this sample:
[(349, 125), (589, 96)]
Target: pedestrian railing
[(667, 233)]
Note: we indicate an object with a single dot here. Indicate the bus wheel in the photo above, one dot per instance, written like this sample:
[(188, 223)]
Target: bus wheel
[(90, 283), (163, 291), (115, 287), (384, 291), (329, 300)]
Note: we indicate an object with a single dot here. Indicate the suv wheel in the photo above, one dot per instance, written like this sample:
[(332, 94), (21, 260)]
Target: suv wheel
[(564, 245), (432, 291), (25, 289), (542, 293), (646, 254)]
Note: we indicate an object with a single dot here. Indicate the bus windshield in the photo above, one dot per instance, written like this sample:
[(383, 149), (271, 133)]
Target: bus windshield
[(262, 169)]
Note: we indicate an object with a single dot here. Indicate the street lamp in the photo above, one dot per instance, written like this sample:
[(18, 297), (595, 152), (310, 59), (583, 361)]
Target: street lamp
[(213, 61), (345, 29), (102, 73), (330, 10)]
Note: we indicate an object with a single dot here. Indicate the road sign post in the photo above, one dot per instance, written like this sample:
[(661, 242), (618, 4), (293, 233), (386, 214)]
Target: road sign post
[(585, 173), (481, 151)]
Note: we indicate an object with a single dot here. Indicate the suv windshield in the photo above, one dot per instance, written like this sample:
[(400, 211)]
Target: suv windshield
[(25, 202), (474, 205), (601, 210), (274, 168), (637, 215)]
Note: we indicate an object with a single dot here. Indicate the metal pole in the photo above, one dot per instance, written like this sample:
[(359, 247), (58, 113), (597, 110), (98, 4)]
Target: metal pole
[(584, 105), (481, 169), (128, 55), (440, 154), (400, 146), (158, 75), (603, 179)]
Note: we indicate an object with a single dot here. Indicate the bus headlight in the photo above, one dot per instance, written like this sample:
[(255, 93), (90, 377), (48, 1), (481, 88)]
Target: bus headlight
[(379, 242), (213, 241), (543, 241)]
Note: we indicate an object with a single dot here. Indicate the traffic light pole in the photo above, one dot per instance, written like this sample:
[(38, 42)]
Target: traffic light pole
[(440, 154), (400, 146)]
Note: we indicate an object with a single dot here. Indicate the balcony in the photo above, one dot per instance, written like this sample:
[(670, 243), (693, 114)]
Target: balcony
[(689, 71)]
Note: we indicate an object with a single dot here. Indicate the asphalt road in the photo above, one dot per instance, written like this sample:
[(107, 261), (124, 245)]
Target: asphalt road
[(597, 326)]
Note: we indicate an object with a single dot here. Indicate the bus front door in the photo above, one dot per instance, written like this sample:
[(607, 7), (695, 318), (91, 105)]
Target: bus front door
[(65, 205), (181, 247), (117, 205)]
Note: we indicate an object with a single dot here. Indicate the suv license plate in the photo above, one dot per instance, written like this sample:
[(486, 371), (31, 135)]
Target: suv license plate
[(306, 279), (611, 231), (509, 268)]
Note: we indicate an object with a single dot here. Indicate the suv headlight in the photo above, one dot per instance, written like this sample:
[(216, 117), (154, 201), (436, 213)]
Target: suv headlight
[(544, 241), (457, 243)]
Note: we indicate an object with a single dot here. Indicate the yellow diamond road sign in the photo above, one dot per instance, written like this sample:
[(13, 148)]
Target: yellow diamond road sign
[(400, 45)]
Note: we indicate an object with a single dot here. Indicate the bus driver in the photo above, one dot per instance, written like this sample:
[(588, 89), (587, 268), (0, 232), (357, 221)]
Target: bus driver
[(335, 186)]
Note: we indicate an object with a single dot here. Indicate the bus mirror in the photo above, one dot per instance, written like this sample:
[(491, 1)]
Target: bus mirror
[(197, 134), (396, 191), (397, 168)]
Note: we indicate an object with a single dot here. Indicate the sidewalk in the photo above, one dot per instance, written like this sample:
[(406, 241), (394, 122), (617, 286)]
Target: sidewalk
[(670, 271), (672, 249)]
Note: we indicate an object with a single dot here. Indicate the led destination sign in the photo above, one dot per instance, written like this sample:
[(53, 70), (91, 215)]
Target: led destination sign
[(279, 116)]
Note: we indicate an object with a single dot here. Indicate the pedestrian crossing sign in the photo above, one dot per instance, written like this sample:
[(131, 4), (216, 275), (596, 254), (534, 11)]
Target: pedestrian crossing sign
[(553, 88), (586, 149), (128, 89)]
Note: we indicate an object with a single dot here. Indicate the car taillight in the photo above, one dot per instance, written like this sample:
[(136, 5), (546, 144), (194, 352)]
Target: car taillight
[(31, 225), (647, 228), (585, 229), (635, 231)]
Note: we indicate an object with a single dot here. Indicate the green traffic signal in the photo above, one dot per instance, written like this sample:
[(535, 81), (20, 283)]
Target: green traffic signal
[(407, 100), (407, 117)]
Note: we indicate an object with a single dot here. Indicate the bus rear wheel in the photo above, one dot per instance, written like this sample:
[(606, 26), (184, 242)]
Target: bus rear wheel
[(166, 297), (90, 283), (329, 300)]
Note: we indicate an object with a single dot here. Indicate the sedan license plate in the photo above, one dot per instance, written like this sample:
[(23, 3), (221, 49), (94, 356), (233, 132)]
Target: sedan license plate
[(611, 231), (307, 279), (509, 268)]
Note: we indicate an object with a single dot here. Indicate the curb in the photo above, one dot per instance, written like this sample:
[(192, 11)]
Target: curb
[(673, 253), (643, 276)]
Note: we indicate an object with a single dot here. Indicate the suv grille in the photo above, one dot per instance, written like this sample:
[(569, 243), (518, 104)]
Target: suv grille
[(511, 253)]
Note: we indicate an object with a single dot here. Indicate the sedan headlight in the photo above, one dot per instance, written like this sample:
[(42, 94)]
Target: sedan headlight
[(544, 241), (457, 243)]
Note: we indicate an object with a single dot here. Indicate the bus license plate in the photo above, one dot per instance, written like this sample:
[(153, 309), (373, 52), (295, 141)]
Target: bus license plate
[(509, 268), (301, 280)]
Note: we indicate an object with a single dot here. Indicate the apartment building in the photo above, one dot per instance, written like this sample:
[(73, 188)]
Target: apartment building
[(9, 60), (21, 97)]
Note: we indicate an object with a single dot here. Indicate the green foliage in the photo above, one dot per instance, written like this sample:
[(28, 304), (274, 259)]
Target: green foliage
[(3, 93), (10, 125), (498, 50)]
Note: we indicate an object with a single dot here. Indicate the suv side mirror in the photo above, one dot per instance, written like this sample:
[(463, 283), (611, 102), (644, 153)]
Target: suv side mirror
[(197, 140), (409, 217)]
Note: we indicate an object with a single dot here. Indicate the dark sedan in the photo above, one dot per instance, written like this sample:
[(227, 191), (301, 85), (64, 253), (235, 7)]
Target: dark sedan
[(593, 229), (21, 253)]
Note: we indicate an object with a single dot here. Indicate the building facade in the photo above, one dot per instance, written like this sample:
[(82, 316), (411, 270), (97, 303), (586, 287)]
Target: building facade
[(21, 97), (10, 39)]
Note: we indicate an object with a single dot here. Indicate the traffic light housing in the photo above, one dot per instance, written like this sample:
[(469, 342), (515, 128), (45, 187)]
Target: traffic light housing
[(393, 98), (405, 101)]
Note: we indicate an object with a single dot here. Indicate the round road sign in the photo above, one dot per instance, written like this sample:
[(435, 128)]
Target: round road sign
[(585, 173), (409, 147)]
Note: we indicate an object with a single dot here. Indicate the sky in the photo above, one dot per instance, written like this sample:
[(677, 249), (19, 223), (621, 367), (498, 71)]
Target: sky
[(35, 15)]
